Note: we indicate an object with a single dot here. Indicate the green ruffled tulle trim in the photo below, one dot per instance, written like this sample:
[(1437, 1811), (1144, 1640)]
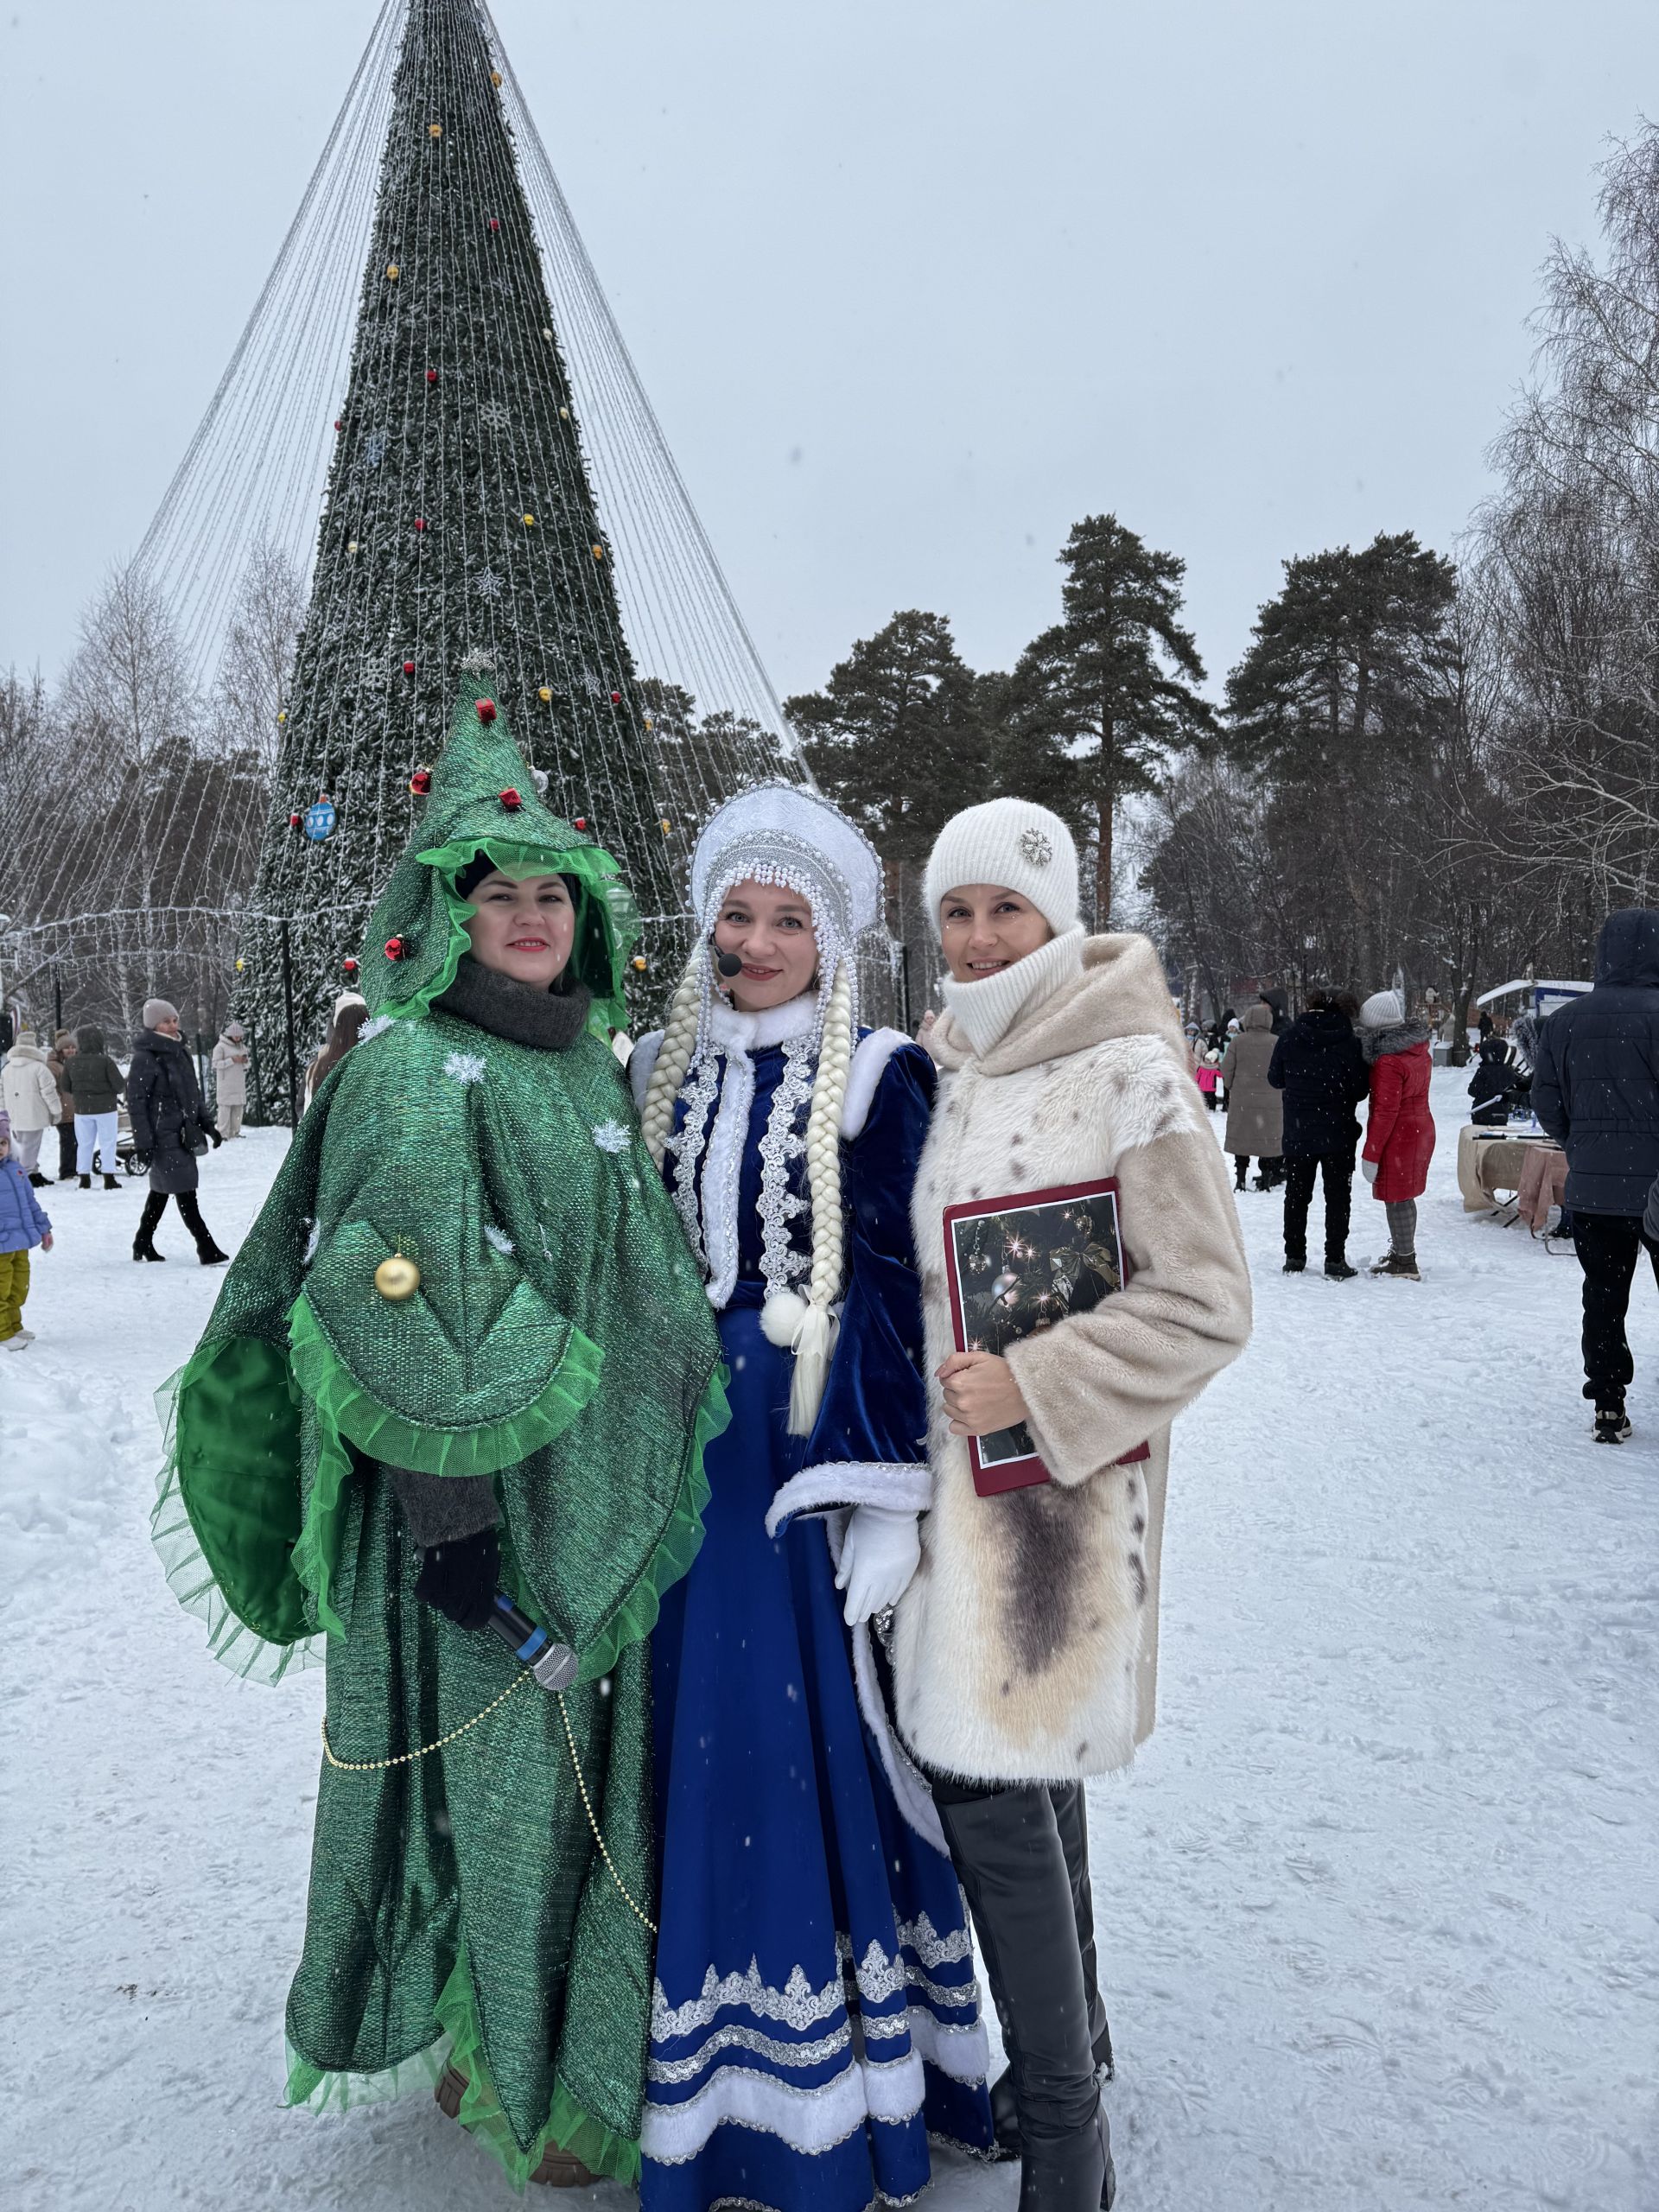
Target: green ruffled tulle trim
[(612, 911), (346, 1407), (314, 1555), (457, 2042), (193, 1582), (678, 1547)]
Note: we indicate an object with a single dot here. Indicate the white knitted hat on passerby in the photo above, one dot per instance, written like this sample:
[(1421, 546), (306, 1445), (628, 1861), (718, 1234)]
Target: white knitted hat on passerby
[(1014, 842), (1383, 1010)]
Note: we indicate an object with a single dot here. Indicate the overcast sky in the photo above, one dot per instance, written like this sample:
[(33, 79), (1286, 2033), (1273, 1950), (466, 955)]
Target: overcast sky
[(912, 283)]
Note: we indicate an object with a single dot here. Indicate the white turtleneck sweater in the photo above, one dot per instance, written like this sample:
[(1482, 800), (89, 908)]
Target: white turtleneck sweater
[(984, 1010)]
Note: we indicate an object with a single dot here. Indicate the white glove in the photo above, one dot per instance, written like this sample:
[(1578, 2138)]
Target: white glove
[(1368, 1169), (880, 1553)]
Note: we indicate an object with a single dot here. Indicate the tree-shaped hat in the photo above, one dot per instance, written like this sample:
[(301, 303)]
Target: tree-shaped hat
[(481, 802)]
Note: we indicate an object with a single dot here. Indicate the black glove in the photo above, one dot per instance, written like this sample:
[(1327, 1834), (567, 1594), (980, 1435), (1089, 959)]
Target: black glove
[(459, 1580), (140, 1163), (216, 1137)]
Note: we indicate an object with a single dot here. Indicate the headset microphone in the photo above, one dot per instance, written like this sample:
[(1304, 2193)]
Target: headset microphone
[(729, 965)]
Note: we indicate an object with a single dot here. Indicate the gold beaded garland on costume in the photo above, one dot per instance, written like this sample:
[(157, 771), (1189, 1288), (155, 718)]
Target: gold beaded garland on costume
[(396, 1279)]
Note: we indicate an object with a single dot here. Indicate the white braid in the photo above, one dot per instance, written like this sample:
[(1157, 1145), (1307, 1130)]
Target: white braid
[(673, 1058), (815, 1343)]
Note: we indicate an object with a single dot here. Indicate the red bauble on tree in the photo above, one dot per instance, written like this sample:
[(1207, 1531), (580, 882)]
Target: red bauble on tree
[(486, 710), (421, 782), (616, 698), (294, 821), (495, 222), (420, 522), (409, 668), (349, 965), (512, 800), (431, 376), (581, 821)]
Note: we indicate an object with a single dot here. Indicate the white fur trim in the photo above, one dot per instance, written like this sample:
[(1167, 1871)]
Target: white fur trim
[(909, 1786), (963, 2053), (809, 2120), (864, 1078), (835, 1483), (641, 1061), (732, 1032)]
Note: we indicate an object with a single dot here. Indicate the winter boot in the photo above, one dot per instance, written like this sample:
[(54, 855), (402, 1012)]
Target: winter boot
[(109, 1182), (1293, 1266), (143, 1244), (1612, 1425), (1241, 1172), (1338, 1269), (1010, 1858), (41, 1182), (84, 1181), (1402, 1264), (207, 1251)]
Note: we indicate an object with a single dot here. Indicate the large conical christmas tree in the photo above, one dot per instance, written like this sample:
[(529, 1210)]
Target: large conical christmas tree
[(459, 530)]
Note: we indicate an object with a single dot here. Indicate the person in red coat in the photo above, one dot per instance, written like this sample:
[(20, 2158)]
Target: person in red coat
[(1399, 1135)]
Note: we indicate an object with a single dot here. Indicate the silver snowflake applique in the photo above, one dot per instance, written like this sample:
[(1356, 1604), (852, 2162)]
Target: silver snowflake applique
[(612, 1136), (465, 1067), (497, 1238), (378, 1027), (1036, 847), (487, 583)]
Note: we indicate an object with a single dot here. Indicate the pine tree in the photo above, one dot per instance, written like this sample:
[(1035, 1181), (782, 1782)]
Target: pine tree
[(897, 739), (1095, 705), (459, 530)]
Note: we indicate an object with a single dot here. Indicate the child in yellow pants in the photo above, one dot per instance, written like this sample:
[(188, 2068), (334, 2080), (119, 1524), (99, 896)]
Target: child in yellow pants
[(23, 1226)]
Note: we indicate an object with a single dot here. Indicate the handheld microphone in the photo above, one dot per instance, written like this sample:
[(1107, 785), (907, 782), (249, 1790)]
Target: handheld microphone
[(553, 1665), (729, 965)]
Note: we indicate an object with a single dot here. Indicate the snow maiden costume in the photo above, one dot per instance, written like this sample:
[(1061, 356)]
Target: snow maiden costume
[(467, 1300), (1024, 1648), (815, 2016)]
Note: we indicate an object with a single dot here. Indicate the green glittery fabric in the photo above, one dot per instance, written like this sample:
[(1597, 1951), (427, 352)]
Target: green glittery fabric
[(560, 1343)]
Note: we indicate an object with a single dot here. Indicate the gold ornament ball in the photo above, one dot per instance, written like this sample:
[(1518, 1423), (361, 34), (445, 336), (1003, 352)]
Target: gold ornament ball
[(396, 1279), (598, 552), (282, 717), (664, 825), (495, 78), (649, 723), (638, 960), (545, 695), (435, 131), (530, 522), (393, 272), (564, 414), (352, 548), (240, 963)]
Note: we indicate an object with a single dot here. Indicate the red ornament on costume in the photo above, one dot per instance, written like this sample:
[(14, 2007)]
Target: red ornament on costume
[(510, 800), (395, 948), (486, 710), (421, 782)]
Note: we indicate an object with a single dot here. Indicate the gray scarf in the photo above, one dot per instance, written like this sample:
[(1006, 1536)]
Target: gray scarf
[(550, 1020)]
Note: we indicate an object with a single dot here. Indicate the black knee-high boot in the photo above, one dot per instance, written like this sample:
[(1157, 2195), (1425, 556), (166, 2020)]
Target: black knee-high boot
[(207, 1251), (1072, 1818), (1010, 1858), (143, 1244)]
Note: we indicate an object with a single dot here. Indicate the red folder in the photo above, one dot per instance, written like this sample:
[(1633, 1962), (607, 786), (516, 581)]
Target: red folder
[(1016, 1265)]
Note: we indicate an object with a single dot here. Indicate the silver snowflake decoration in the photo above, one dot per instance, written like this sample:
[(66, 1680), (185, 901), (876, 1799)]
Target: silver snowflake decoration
[(494, 415), (487, 584), (465, 1067), (374, 448), (378, 1027), (612, 1136), (478, 662), (498, 1239), (1036, 847), (599, 690)]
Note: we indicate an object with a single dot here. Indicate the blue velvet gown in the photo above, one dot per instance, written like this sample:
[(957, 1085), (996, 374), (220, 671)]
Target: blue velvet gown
[(815, 2016)]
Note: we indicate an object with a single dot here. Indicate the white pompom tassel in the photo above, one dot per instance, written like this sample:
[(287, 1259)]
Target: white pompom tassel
[(813, 1348), (782, 1319)]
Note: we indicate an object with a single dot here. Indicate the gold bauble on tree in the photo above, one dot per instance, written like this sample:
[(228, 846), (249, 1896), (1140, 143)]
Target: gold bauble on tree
[(396, 1279)]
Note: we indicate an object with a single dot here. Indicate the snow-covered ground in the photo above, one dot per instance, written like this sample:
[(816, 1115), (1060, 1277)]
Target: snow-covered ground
[(1377, 1908)]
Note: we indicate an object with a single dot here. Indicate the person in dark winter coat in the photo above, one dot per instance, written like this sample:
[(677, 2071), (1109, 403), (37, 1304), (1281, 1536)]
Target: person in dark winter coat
[(171, 1128), (1399, 1131), (60, 1059), (96, 1089), (1278, 1005), (1596, 1089), (1496, 1084), (1319, 1065)]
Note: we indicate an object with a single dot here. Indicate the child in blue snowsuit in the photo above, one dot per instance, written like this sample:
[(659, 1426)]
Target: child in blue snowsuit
[(23, 1226)]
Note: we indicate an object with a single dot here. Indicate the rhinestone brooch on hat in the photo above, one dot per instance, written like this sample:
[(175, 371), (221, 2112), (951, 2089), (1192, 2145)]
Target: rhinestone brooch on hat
[(1036, 847)]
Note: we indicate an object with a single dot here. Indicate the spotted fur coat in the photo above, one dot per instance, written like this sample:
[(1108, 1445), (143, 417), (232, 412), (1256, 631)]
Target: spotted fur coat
[(1025, 1648)]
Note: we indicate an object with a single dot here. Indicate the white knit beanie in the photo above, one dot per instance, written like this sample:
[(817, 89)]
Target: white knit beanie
[(1383, 1010), (1013, 843)]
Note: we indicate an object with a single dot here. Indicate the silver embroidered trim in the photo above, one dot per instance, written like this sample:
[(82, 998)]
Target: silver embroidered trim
[(798, 2004), (771, 2047), (686, 1145), (781, 1260), (721, 1175)]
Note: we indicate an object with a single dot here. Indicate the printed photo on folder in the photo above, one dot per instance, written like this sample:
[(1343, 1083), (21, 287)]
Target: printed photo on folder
[(1018, 1265)]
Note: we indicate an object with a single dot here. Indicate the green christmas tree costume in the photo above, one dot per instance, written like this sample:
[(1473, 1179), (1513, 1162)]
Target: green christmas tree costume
[(461, 1911)]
